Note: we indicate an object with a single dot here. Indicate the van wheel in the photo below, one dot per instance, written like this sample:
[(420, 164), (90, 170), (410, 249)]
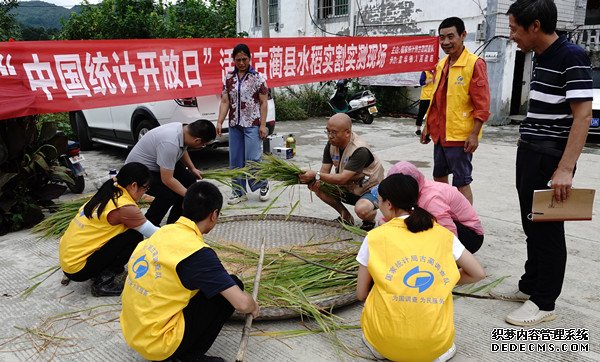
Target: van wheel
[(82, 131), (143, 128)]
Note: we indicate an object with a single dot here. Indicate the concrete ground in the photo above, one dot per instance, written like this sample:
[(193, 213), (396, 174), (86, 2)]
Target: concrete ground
[(65, 323)]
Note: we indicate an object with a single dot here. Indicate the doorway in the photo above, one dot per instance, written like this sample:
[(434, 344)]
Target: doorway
[(517, 86)]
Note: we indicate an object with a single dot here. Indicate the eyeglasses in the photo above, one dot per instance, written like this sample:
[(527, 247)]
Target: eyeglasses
[(145, 187), (333, 133)]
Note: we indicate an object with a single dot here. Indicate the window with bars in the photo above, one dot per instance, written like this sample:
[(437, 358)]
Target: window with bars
[(273, 12), (330, 8)]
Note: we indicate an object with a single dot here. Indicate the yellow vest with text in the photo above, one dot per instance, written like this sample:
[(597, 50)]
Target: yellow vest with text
[(84, 236), (374, 170), (459, 108), (408, 315), (153, 297), (427, 89)]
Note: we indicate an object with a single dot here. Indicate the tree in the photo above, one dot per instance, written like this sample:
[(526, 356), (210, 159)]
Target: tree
[(143, 19), (201, 19), (116, 19), (8, 25)]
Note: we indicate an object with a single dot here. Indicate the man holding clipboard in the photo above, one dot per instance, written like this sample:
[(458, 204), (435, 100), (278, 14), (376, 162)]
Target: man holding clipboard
[(551, 140)]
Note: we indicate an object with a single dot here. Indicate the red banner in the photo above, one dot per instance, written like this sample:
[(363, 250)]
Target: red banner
[(58, 76)]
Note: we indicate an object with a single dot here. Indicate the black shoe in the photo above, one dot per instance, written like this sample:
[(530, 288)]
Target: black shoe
[(367, 225), (107, 284), (418, 132)]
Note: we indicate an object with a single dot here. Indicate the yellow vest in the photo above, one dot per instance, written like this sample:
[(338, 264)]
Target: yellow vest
[(408, 315), (153, 297), (374, 170), (427, 89), (459, 108), (84, 236)]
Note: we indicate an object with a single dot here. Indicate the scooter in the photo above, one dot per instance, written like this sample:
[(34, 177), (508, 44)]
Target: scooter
[(70, 159), (359, 105)]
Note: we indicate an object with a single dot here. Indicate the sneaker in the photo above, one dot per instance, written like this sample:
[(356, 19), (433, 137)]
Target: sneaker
[(529, 315), (514, 295), (264, 193), (236, 199)]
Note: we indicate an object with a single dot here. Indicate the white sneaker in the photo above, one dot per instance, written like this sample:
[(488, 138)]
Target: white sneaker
[(236, 199), (264, 193), (529, 315), (514, 295)]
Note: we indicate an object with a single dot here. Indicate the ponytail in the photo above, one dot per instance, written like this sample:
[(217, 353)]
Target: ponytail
[(130, 173), (418, 220), (108, 191), (403, 192)]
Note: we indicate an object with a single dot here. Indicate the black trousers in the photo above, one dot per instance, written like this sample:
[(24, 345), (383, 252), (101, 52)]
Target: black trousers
[(112, 256), (165, 198), (469, 238), (546, 247), (204, 319), (423, 105)]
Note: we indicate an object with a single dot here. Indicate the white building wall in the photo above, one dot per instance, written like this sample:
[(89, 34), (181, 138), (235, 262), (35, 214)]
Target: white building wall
[(420, 17)]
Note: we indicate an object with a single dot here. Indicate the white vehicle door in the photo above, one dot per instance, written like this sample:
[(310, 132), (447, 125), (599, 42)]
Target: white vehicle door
[(121, 117), (208, 106)]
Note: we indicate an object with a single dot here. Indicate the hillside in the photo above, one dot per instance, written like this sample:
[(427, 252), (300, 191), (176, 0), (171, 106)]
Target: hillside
[(40, 14)]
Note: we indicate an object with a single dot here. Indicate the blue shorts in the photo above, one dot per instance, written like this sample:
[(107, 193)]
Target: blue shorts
[(455, 161), (352, 199)]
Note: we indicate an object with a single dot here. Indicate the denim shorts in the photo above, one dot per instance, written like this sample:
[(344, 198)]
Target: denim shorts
[(455, 161), (352, 199)]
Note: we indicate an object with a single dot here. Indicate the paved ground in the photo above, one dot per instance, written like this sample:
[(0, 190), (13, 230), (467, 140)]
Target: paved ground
[(65, 323)]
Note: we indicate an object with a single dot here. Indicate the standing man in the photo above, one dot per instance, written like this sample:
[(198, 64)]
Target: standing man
[(552, 138), (357, 171), (459, 107), (164, 151)]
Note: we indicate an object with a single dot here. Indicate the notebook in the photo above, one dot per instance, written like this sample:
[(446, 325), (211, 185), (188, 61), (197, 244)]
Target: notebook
[(578, 206)]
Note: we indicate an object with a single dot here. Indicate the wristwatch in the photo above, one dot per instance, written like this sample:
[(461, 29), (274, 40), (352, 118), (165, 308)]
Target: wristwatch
[(318, 176)]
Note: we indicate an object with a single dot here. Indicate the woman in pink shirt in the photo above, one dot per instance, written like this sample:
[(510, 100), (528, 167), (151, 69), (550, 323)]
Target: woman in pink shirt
[(450, 208)]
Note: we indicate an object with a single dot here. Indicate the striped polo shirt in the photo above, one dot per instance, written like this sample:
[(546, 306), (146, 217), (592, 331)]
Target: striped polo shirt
[(561, 74)]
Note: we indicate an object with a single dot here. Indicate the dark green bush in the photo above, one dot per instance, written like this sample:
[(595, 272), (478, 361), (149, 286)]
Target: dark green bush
[(391, 100), (288, 109)]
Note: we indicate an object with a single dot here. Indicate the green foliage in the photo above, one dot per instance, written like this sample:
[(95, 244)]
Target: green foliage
[(38, 33), (391, 100), (200, 19), (61, 120), (288, 109), (145, 19), (301, 102), (9, 28), (28, 172), (116, 19)]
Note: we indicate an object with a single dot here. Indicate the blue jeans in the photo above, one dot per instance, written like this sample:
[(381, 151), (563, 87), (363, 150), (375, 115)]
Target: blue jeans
[(244, 145)]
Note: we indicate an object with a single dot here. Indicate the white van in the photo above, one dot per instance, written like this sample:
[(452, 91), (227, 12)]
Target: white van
[(122, 126)]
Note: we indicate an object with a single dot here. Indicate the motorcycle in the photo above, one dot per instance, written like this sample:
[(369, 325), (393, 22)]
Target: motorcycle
[(360, 105), (72, 161)]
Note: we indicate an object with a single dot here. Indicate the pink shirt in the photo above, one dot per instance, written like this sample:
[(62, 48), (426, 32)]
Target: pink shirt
[(443, 201)]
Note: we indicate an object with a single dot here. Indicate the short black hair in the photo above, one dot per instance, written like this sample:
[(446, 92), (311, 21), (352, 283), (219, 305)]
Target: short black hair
[(200, 200), (239, 49), (453, 22), (526, 12), (203, 129)]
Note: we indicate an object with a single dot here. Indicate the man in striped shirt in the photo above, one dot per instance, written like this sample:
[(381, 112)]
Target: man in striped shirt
[(552, 138)]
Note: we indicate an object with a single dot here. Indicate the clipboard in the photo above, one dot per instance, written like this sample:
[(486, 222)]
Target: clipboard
[(578, 206)]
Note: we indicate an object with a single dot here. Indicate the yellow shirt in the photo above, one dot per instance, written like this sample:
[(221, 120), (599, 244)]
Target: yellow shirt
[(84, 236), (153, 298), (408, 315)]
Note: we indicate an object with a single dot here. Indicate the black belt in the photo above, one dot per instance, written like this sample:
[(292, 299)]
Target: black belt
[(551, 148)]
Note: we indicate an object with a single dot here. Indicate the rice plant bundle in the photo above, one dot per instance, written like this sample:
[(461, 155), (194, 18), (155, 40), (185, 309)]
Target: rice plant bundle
[(56, 224), (277, 169), (296, 279), (225, 175)]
